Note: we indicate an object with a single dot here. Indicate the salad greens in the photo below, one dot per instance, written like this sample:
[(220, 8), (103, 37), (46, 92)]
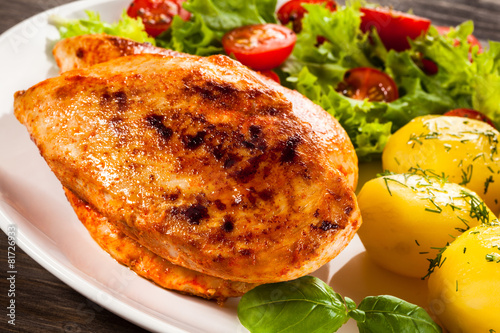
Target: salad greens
[(126, 27), (369, 124), (310, 305), (466, 77)]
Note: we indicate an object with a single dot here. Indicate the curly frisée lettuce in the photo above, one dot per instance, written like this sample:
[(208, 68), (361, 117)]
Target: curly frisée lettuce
[(466, 75), (126, 27)]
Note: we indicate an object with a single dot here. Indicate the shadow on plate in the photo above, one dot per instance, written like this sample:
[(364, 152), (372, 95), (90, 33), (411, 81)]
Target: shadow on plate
[(361, 277)]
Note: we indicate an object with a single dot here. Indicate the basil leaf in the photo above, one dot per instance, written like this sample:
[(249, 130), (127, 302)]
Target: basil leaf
[(303, 305), (391, 314)]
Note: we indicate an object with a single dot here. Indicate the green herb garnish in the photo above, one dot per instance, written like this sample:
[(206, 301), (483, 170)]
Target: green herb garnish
[(466, 175), (310, 305), (437, 262), (493, 257), (478, 209), (487, 183)]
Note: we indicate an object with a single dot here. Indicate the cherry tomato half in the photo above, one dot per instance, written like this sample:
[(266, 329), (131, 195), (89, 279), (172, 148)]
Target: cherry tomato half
[(271, 75), (157, 15), (470, 113), (393, 27), (292, 11), (368, 83), (260, 46), (471, 39), (429, 67)]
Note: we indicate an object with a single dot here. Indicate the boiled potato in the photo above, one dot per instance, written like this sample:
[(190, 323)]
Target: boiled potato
[(464, 149), (464, 292), (407, 216)]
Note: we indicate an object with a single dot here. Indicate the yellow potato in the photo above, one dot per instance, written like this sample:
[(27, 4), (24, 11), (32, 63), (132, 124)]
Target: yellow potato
[(407, 216), (462, 148), (464, 292)]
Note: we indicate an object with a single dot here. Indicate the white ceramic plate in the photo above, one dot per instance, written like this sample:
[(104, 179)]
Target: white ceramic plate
[(32, 200)]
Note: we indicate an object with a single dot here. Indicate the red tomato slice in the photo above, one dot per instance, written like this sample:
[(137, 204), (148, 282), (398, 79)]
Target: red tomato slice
[(471, 39), (429, 67), (368, 83), (272, 75), (470, 113), (474, 41), (292, 11), (157, 15), (393, 27), (260, 46)]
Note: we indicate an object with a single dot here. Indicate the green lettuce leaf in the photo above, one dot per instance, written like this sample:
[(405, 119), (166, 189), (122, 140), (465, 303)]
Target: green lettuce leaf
[(342, 49), (126, 27), (486, 83), (466, 78), (193, 37)]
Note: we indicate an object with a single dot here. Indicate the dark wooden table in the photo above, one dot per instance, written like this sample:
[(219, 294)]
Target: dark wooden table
[(45, 304)]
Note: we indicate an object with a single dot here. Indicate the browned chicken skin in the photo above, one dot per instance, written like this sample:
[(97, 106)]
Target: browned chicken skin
[(202, 161)]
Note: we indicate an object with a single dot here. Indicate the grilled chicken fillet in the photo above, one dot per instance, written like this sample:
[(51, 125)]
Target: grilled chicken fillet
[(202, 161)]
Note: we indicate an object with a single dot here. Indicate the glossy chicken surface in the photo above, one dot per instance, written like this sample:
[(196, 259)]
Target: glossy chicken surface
[(202, 161), (149, 265)]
